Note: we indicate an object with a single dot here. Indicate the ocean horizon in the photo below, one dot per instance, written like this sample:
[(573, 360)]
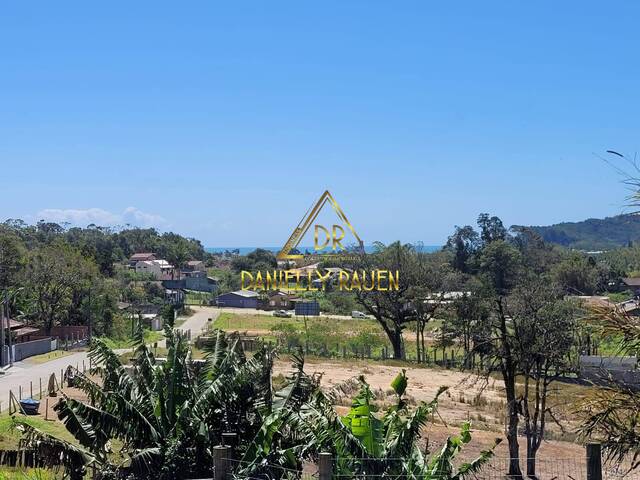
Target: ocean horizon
[(247, 250)]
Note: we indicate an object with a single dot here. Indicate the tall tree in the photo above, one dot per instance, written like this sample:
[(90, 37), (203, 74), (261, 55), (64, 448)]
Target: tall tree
[(543, 330), (500, 263), (464, 243), (393, 309), (55, 277)]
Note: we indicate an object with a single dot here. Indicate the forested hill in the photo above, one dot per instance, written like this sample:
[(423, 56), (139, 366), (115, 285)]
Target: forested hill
[(594, 233)]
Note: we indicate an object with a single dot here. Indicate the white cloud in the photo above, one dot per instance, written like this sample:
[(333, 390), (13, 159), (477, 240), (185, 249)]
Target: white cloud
[(98, 216)]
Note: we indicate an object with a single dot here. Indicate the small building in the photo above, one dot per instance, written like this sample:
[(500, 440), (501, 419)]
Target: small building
[(632, 284), (198, 283), (238, 299), (141, 257), (174, 296), (194, 266), (279, 301), (158, 269)]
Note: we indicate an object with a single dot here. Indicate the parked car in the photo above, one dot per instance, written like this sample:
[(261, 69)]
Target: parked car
[(281, 314), (357, 314)]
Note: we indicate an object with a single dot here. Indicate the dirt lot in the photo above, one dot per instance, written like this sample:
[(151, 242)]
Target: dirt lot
[(467, 399)]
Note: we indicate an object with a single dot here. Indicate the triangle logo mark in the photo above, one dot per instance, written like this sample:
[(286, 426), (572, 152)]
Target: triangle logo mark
[(307, 221)]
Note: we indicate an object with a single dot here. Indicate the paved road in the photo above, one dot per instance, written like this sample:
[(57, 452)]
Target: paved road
[(23, 373), (197, 322)]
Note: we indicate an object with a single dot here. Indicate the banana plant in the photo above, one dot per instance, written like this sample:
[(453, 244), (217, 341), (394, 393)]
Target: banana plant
[(165, 415), (364, 445)]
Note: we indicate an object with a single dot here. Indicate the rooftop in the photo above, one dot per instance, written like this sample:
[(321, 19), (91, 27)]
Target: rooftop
[(244, 293)]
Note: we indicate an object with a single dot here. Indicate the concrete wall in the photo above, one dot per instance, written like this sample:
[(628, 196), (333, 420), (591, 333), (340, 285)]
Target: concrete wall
[(29, 349)]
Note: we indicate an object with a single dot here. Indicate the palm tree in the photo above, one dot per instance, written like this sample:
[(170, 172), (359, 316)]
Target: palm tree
[(364, 445), (166, 415)]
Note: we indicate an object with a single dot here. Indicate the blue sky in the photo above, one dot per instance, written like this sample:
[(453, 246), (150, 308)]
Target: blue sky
[(225, 121)]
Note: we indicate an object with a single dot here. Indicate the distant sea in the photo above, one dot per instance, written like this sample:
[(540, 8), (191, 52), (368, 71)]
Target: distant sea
[(247, 250)]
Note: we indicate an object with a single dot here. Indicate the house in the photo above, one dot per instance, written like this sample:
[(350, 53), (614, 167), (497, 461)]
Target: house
[(141, 257), (279, 301), (238, 299), (158, 269), (19, 331), (194, 266), (632, 284), (174, 296)]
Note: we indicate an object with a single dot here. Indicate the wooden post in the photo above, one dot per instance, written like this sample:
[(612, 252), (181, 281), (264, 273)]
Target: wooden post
[(40, 388), (230, 440), (220, 464), (31, 389), (46, 409), (20, 392), (594, 461), (325, 466), (83, 367)]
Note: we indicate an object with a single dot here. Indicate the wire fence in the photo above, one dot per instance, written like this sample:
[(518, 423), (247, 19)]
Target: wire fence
[(574, 468)]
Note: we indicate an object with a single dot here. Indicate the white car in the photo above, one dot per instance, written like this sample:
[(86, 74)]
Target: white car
[(357, 314)]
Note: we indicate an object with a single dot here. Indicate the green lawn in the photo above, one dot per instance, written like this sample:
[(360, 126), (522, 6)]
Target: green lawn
[(9, 437), (149, 337), (47, 357), (196, 298), (236, 321), (325, 334)]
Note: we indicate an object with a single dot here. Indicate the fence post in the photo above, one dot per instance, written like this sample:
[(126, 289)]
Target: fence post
[(594, 461), (220, 455), (325, 466)]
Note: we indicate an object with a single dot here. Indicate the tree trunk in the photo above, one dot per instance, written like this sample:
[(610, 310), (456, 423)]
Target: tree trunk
[(514, 449), (531, 460), (395, 337)]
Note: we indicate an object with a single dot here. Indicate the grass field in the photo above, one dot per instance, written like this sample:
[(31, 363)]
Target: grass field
[(47, 357), (235, 321), (323, 334), (197, 298), (9, 437), (149, 337)]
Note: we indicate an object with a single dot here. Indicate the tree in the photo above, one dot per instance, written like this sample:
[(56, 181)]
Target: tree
[(12, 255), (430, 297), (393, 308), (464, 244), (259, 259), (468, 321), (491, 228), (167, 416), (56, 279), (543, 330), (499, 265)]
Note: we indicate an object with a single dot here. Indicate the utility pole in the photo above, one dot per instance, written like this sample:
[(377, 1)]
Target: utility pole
[(2, 359), (90, 313), (8, 315)]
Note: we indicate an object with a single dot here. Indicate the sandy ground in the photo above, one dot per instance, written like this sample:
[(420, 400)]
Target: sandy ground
[(460, 403)]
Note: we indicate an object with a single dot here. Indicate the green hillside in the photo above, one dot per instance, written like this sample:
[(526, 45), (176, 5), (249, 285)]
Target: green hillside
[(594, 233)]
